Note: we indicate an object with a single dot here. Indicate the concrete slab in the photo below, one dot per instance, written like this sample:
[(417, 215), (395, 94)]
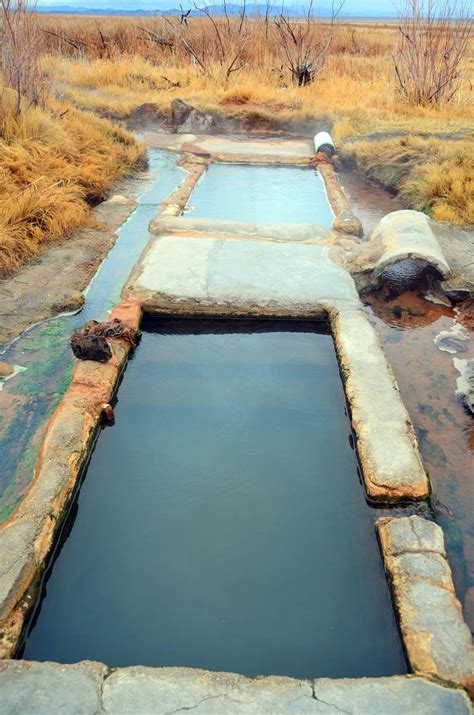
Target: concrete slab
[(50, 688), (437, 640), (281, 148), (91, 689), (240, 277), (386, 442)]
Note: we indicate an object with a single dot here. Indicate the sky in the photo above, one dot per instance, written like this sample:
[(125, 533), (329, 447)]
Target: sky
[(351, 7)]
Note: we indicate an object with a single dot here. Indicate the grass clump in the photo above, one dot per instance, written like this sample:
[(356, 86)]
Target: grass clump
[(432, 175), (55, 162)]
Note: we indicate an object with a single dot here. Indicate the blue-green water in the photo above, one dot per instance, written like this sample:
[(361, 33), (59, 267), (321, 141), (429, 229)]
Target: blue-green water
[(222, 523), (262, 194), (45, 349)]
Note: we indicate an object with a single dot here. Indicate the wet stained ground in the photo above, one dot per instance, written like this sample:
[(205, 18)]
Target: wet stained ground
[(407, 327), (368, 201)]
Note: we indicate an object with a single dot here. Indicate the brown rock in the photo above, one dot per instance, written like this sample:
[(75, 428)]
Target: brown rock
[(90, 342), (90, 347), (5, 369)]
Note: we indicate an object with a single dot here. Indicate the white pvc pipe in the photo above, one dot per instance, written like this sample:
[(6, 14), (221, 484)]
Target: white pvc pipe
[(323, 138)]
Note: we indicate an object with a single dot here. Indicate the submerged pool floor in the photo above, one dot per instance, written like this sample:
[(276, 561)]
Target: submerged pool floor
[(262, 194), (221, 523)]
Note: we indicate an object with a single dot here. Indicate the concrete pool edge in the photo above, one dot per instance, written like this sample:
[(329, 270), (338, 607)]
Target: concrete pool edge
[(29, 536), (437, 641), (202, 277), (90, 687)]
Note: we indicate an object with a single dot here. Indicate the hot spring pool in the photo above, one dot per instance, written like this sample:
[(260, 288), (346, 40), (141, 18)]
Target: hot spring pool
[(262, 194), (222, 523)]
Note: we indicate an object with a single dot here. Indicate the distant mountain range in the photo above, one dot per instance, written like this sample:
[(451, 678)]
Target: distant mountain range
[(232, 10)]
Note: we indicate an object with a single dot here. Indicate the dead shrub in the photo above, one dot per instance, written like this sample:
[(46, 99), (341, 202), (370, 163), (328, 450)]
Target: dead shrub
[(305, 44), (432, 43), (21, 48)]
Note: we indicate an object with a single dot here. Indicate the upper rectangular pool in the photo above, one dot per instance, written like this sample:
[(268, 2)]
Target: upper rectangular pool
[(262, 194)]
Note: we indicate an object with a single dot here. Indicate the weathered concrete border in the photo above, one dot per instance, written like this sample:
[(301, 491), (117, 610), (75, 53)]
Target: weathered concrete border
[(386, 441), (274, 152), (191, 225), (344, 220), (209, 148), (437, 640), (91, 688)]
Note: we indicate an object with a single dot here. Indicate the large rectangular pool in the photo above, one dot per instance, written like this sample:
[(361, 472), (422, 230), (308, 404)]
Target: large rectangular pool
[(222, 523), (262, 194)]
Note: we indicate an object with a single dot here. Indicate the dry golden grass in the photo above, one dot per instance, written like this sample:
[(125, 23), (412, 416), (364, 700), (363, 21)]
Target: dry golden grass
[(54, 163), (52, 166)]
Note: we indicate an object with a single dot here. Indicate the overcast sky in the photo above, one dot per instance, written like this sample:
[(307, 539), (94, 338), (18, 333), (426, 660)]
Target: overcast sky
[(352, 7)]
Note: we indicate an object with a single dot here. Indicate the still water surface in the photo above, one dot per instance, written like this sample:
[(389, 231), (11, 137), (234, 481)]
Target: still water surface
[(262, 194), (221, 523)]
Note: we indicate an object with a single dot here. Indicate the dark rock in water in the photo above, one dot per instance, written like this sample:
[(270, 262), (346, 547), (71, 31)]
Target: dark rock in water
[(465, 383), (186, 118), (457, 294), (6, 370), (90, 347), (90, 341), (408, 274), (440, 508)]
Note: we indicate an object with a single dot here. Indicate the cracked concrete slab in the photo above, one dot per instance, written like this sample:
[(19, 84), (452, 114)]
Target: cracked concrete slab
[(437, 640), (91, 689), (249, 277), (50, 689)]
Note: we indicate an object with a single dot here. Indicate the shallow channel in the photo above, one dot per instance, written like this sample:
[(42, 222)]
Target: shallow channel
[(262, 194), (222, 523)]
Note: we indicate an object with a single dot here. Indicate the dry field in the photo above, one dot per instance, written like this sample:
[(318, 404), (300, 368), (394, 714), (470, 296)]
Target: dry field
[(63, 153)]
